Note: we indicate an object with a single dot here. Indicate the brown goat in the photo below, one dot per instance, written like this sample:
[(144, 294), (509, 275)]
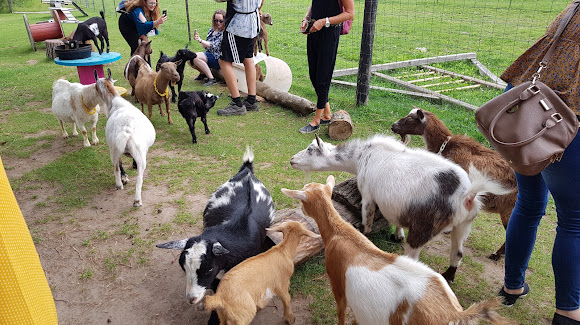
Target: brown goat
[(380, 287), (152, 88), (132, 67), (464, 151), (266, 19), (249, 286)]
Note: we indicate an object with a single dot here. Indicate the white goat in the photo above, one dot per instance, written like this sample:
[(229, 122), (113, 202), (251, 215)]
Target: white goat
[(250, 285), (77, 104), (379, 287), (413, 188), (128, 132)]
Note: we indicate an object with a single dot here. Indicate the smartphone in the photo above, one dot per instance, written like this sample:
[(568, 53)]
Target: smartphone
[(165, 13)]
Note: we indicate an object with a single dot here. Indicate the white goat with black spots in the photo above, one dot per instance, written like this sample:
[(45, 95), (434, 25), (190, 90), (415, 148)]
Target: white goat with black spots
[(413, 188)]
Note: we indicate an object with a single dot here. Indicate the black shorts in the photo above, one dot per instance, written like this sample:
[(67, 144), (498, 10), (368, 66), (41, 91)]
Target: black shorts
[(236, 49)]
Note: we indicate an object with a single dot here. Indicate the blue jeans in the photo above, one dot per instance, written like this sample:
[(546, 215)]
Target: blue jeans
[(562, 179)]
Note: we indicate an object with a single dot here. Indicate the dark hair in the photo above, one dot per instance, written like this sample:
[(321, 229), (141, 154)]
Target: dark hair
[(218, 12)]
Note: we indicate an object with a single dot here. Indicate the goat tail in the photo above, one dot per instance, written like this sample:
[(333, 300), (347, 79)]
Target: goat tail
[(102, 14), (485, 310), (248, 159), (213, 303), (481, 185)]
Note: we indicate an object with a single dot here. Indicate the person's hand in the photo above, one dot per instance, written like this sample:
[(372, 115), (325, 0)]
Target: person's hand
[(318, 25), (161, 20), (303, 25), (196, 36)]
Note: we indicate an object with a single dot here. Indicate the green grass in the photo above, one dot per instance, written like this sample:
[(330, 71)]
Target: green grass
[(498, 31)]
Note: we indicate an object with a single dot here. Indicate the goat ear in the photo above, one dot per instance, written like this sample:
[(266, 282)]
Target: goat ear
[(318, 141), (330, 182), (218, 249), (186, 45), (96, 75), (176, 244), (295, 194), (420, 114), (178, 62), (109, 74)]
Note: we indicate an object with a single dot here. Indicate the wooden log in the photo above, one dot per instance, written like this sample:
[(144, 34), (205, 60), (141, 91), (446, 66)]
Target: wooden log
[(51, 45), (340, 127), (346, 200)]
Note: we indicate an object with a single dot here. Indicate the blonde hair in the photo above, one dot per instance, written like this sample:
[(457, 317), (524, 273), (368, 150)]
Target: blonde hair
[(149, 14), (213, 24)]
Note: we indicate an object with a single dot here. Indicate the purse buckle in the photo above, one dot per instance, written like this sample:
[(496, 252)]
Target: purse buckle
[(557, 117), (534, 89)]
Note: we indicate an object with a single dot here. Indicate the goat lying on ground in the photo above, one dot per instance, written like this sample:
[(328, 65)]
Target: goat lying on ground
[(413, 188), (128, 132), (91, 29), (194, 104), (250, 285), (183, 55), (234, 228), (379, 287), (464, 151), (151, 87), (266, 19), (132, 67), (77, 104)]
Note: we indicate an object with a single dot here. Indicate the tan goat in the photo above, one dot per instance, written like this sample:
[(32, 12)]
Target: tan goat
[(464, 151), (382, 288), (131, 68), (250, 285), (152, 88)]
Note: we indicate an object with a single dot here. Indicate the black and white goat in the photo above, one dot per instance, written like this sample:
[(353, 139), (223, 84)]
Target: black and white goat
[(194, 104), (235, 221), (184, 55), (91, 29), (413, 188)]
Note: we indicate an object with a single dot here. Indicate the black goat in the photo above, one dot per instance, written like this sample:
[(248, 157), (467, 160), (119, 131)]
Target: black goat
[(184, 55), (194, 104), (91, 29)]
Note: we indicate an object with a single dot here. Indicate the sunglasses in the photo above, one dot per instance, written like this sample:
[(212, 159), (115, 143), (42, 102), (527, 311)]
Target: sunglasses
[(218, 21)]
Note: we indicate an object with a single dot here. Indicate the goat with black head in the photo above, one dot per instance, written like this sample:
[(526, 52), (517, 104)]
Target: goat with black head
[(194, 104), (184, 55), (91, 29), (235, 220)]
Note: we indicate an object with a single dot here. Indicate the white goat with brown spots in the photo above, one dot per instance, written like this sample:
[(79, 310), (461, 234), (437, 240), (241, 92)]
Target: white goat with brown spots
[(413, 188), (464, 151), (379, 287)]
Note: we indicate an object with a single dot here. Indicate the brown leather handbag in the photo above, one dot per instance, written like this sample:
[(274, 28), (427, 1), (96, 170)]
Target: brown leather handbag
[(529, 125)]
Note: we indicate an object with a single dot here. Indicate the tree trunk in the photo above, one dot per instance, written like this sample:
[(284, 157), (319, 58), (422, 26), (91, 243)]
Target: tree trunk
[(340, 127), (51, 45)]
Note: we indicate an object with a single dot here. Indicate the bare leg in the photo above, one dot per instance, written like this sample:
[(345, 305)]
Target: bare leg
[(200, 64), (250, 69), (230, 77)]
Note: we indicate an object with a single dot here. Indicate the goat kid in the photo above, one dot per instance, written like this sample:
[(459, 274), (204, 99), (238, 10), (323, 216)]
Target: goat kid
[(464, 151), (77, 104), (93, 29), (132, 67), (128, 132), (266, 19), (235, 220), (413, 188), (151, 87), (379, 287), (194, 104), (239, 296), (183, 55)]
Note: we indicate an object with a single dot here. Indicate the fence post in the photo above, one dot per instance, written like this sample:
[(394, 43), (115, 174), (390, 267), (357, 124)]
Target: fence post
[(366, 52)]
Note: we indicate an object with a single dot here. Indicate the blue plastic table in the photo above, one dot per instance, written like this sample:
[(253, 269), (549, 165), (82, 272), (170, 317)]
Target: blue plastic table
[(85, 67)]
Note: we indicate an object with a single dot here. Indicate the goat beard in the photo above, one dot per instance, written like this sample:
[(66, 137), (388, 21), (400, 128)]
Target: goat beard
[(405, 138)]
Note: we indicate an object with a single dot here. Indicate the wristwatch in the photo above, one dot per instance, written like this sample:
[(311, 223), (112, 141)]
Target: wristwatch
[(327, 24)]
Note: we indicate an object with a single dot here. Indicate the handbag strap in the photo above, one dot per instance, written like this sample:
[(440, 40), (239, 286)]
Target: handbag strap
[(563, 23)]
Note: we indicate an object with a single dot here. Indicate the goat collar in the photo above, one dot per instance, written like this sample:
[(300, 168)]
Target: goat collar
[(87, 109), (157, 91), (443, 145)]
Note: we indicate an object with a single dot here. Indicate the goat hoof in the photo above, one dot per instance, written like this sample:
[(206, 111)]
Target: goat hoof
[(395, 238), (449, 274), (494, 257), (86, 144), (194, 141), (119, 187), (207, 132), (136, 204)]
